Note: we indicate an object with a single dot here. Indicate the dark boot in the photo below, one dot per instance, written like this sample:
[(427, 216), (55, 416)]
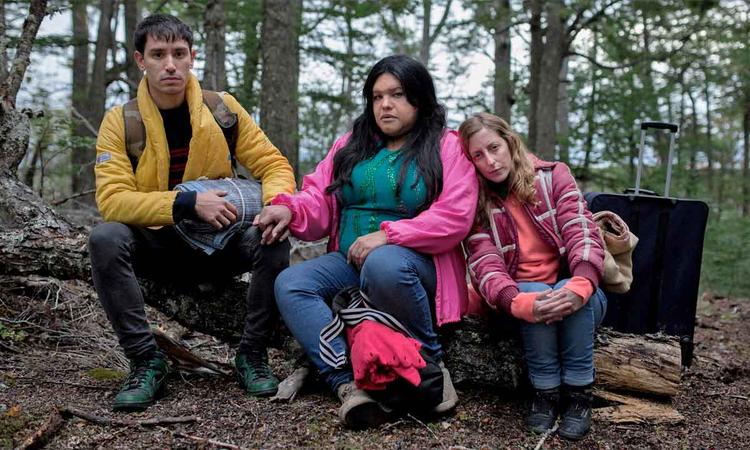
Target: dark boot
[(145, 383), (543, 410), (576, 415), (255, 375)]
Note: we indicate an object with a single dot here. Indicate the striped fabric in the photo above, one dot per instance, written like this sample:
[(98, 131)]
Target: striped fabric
[(354, 313)]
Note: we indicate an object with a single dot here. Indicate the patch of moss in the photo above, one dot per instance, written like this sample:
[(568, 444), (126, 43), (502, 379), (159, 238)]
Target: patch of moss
[(103, 374), (10, 424)]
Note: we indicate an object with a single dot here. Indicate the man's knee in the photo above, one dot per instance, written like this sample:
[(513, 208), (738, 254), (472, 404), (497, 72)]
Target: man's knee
[(275, 256), (108, 240)]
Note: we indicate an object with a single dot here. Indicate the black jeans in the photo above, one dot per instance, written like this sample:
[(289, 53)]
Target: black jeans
[(121, 252)]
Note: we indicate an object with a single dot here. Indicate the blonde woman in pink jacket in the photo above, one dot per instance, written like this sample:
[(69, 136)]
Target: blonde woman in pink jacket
[(536, 254), (395, 196)]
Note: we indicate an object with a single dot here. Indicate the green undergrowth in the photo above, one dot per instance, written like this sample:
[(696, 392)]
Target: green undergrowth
[(726, 256)]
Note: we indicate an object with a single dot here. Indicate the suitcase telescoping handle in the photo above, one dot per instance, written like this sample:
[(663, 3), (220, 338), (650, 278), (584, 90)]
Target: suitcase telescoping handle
[(673, 132)]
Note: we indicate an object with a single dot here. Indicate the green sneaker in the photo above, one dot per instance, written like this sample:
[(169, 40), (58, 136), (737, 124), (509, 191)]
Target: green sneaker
[(254, 374), (145, 383)]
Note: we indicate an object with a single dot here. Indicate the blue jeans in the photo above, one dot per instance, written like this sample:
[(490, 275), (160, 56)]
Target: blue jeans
[(397, 280), (562, 352)]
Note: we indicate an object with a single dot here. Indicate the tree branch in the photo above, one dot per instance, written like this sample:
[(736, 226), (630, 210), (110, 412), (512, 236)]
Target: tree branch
[(440, 25), (9, 89), (574, 27)]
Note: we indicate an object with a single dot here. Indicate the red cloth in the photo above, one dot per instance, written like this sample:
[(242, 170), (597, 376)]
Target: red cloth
[(380, 355)]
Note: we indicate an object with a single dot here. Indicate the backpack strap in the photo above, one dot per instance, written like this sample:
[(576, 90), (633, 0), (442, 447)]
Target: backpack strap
[(135, 130), (226, 119)]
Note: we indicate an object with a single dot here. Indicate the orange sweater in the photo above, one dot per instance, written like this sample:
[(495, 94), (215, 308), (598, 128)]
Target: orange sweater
[(537, 262)]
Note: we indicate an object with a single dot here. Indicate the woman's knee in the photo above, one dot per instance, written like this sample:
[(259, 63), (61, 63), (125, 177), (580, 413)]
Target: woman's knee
[(533, 286), (287, 282), (386, 266)]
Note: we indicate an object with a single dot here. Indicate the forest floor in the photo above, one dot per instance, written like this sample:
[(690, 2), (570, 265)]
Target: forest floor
[(56, 350)]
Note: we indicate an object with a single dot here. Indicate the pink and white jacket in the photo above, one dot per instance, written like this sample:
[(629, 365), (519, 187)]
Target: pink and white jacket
[(437, 231), (563, 221)]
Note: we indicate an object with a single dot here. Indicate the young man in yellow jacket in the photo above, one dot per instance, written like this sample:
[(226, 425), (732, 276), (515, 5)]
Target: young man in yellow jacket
[(183, 142)]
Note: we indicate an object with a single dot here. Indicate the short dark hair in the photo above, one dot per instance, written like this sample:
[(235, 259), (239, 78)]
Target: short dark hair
[(163, 27)]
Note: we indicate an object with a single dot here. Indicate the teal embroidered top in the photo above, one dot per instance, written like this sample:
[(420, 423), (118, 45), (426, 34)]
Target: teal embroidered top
[(372, 199)]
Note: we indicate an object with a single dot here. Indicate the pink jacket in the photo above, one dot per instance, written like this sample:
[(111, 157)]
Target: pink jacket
[(437, 231), (563, 221)]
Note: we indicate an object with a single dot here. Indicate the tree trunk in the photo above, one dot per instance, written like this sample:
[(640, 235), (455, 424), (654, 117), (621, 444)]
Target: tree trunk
[(429, 37), (83, 158), (3, 45), (563, 115), (247, 92), (132, 16), (503, 82), (14, 126), (81, 153), (549, 81), (746, 159), (536, 51), (215, 74), (588, 146), (279, 81)]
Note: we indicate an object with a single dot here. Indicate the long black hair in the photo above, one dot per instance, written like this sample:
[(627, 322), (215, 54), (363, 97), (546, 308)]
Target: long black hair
[(422, 142)]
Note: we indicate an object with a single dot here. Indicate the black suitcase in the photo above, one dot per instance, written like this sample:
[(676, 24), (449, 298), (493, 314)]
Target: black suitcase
[(666, 261)]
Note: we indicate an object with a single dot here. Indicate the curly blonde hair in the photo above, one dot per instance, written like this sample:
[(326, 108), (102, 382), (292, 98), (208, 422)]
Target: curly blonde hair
[(520, 180)]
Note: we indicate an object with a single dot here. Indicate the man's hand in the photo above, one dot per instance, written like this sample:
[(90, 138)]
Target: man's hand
[(273, 220), (362, 247), (555, 305), (212, 208)]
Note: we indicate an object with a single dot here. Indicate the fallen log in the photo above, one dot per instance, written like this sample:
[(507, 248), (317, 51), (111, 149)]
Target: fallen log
[(635, 410), (638, 363), (488, 352)]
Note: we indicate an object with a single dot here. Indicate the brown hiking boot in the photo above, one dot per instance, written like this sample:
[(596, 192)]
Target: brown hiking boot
[(450, 397), (358, 410)]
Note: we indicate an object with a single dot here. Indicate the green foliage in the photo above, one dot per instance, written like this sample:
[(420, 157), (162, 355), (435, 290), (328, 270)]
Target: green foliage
[(726, 266), (11, 334)]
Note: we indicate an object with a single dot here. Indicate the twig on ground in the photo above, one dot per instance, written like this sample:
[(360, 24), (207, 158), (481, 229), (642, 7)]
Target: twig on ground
[(434, 436), (9, 348), (68, 411), (42, 435), (206, 441), (741, 397), (547, 434), (66, 383)]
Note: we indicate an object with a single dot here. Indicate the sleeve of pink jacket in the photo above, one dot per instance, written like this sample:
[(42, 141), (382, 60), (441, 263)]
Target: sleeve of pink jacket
[(583, 242), (312, 206), (487, 270), (448, 220)]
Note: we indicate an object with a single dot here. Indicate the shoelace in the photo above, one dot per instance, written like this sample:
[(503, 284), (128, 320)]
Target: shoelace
[(136, 376), (259, 367)]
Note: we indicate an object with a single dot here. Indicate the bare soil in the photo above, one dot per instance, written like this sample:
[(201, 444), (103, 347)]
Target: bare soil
[(54, 343)]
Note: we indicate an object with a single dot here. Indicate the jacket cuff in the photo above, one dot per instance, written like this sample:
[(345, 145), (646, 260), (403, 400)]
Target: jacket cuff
[(184, 206), (386, 228), (587, 270), (284, 200), (505, 298), (580, 286), (522, 306)]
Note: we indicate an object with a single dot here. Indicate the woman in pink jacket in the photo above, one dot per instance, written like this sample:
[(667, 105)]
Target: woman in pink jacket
[(536, 254), (395, 197)]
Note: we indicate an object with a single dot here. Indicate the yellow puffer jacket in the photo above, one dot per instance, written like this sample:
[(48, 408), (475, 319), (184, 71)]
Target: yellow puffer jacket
[(142, 198)]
